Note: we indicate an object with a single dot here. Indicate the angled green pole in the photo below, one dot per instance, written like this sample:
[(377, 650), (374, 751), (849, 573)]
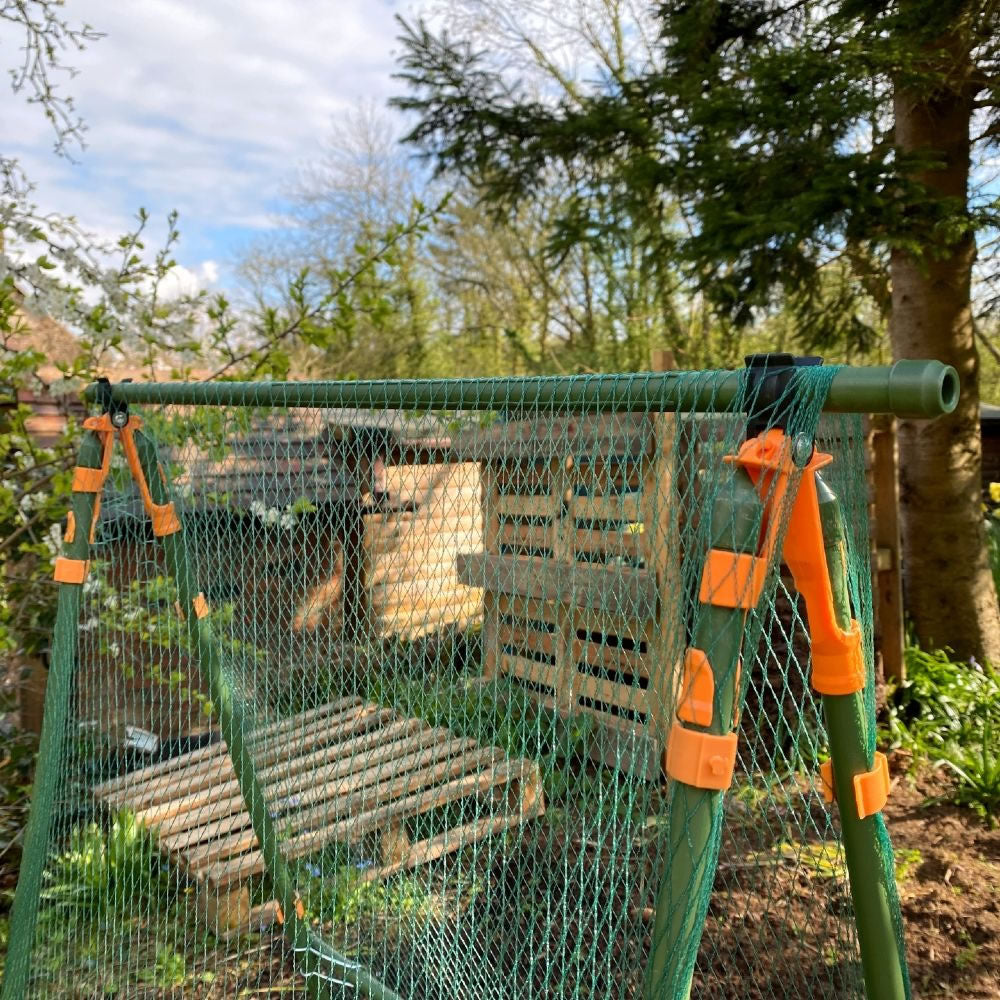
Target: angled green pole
[(51, 747), (867, 849), (328, 973), (694, 815)]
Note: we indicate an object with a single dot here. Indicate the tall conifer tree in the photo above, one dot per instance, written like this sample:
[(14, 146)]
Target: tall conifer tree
[(800, 137)]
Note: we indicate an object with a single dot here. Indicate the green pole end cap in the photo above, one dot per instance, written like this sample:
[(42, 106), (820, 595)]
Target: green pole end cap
[(922, 389)]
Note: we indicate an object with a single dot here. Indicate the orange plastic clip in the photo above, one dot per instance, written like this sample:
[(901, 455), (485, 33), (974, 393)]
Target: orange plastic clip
[(702, 760), (70, 570), (697, 689), (732, 579), (87, 480), (871, 788), (826, 786), (71, 523), (300, 911), (164, 518)]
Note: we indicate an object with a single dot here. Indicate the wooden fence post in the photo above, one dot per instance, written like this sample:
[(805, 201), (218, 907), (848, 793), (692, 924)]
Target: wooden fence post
[(660, 535), (888, 595), (490, 496), (562, 546)]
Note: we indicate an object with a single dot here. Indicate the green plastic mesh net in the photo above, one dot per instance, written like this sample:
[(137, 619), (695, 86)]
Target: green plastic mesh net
[(389, 714)]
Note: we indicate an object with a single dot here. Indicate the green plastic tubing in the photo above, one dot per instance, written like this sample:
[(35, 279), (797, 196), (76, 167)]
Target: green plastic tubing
[(866, 843), (907, 389), (694, 817), (328, 973), (58, 691)]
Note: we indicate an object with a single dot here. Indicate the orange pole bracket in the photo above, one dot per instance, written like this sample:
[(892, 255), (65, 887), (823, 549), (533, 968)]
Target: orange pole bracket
[(871, 788), (70, 570), (702, 760), (697, 695), (837, 656), (732, 579), (164, 516), (92, 480)]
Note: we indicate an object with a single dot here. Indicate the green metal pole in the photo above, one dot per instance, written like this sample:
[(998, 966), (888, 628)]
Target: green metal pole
[(328, 973), (866, 842), (694, 816), (58, 694), (906, 389)]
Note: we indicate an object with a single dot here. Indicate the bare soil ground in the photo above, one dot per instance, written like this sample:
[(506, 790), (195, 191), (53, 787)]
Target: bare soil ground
[(948, 863)]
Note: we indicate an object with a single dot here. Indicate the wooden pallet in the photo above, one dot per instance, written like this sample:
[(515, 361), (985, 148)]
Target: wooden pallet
[(342, 772), (580, 572)]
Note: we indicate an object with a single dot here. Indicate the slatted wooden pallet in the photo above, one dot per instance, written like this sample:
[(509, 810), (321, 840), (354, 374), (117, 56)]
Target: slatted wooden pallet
[(579, 569), (338, 773)]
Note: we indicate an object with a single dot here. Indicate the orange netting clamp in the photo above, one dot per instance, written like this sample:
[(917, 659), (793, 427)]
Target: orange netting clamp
[(300, 911), (871, 788), (732, 579), (70, 570), (701, 760), (71, 524), (697, 696), (87, 480), (838, 659)]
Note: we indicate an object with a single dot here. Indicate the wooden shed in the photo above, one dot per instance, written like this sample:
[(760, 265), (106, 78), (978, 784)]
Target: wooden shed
[(322, 530)]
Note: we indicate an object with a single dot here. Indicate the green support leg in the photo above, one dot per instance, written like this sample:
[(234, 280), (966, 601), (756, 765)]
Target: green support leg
[(866, 841), (328, 973), (694, 816), (58, 693)]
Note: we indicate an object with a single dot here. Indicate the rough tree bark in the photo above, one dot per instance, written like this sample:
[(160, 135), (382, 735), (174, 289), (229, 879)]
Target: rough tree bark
[(947, 580)]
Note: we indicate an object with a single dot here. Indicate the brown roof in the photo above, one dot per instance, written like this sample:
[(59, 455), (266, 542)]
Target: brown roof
[(47, 336)]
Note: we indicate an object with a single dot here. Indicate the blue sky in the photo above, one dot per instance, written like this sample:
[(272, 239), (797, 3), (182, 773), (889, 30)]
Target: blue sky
[(208, 107)]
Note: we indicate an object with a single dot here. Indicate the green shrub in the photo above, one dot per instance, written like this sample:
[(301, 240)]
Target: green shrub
[(101, 871), (947, 714)]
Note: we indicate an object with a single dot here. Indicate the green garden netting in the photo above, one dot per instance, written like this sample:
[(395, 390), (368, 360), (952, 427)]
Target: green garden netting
[(388, 714)]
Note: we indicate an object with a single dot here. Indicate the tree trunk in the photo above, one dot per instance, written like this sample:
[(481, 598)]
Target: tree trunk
[(947, 579)]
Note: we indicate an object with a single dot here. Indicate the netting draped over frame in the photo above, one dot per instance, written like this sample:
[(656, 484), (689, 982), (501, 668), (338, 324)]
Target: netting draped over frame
[(455, 642)]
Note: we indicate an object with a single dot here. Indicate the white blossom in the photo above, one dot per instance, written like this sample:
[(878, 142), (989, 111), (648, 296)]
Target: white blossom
[(53, 538), (32, 501)]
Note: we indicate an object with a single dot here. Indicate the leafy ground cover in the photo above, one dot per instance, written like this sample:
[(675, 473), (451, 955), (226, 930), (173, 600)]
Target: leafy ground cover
[(941, 732), (947, 715)]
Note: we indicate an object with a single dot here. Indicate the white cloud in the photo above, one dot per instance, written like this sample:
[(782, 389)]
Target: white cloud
[(187, 281), (207, 108)]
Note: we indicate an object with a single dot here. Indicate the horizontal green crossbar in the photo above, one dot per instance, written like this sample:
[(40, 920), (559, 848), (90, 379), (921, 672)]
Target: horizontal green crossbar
[(907, 389)]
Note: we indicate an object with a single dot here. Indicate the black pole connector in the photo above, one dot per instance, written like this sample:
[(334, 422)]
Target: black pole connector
[(768, 377), (117, 408)]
